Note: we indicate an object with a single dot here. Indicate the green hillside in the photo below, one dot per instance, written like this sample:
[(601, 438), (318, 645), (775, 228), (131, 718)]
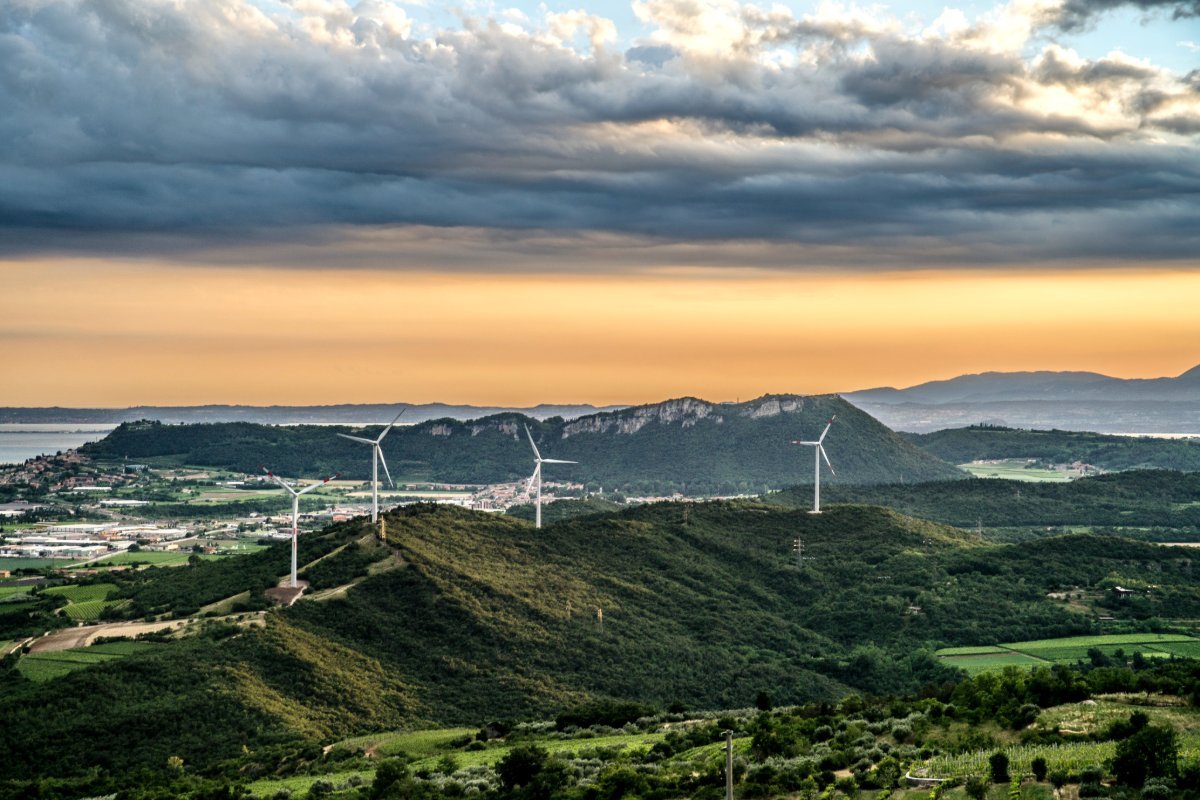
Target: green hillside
[(685, 444), (980, 442), (564, 509), (1157, 504), (484, 617)]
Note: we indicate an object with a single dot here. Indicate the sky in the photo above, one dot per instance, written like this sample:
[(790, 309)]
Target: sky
[(319, 201)]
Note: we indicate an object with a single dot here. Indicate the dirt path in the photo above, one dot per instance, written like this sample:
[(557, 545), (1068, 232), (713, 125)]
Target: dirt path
[(69, 638)]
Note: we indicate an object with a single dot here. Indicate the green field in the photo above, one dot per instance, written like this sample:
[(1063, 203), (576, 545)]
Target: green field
[(1068, 757), (32, 563), (9, 591), (1098, 641), (427, 747), (1017, 469), (1183, 649), (985, 662), (414, 743), (90, 609), (82, 594), (1067, 650), (151, 557), (47, 666), (971, 650)]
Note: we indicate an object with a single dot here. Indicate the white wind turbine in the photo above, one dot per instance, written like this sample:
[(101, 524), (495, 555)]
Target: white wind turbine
[(537, 476), (295, 511), (818, 454), (376, 459)]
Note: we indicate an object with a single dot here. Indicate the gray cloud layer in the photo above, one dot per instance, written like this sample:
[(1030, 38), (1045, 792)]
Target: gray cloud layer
[(206, 124)]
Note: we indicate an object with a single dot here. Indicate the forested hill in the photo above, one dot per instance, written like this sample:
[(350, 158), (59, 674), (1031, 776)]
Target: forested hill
[(684, 444), (467, 617), (1154, 504), (960, 445)]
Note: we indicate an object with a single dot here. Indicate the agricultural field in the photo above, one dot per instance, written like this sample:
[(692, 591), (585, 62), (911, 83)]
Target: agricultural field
[(48, 666), (32, 563), (90, 610), (152, 557), (986, 662), (1068, 650), (1080, 719), (427, 747), (82, 594), (11, 591), (1017, 469)]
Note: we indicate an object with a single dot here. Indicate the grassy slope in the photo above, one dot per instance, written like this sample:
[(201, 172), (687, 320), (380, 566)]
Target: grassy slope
[(474, 625)]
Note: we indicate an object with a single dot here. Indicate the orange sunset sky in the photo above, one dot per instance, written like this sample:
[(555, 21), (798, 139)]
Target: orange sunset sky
[(604, 201), (89, 333)]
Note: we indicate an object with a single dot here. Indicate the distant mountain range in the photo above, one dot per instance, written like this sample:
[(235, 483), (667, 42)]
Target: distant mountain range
[(686, 444), (1067, 400), (345, 414)]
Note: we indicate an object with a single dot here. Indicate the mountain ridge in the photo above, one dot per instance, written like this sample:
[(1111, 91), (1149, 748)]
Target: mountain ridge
[(1037, 385), (684, 444)]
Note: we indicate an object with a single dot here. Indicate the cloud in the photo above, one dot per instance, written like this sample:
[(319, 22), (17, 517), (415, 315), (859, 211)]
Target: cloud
[(834, 138), (1079, 14)]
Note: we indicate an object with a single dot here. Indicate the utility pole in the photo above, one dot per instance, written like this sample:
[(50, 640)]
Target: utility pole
[(798, 549), (728, 765)]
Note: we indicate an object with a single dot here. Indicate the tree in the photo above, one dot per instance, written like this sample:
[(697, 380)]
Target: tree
[(521, 766), (1038, 767), (763, 701), (1152, 752), (998, 763), (977, 787), (390, 772)]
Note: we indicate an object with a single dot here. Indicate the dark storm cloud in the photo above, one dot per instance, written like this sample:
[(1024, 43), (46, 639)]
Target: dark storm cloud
[(1078, 14), (151, 127)]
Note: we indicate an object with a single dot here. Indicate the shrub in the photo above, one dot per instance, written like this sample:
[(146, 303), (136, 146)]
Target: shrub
[(1038, 766), (998, 763), (1150, 753)]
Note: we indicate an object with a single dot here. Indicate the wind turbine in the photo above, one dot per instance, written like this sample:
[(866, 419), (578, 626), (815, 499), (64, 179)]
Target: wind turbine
[(818, 454), (537, 476), (295, 511), (376, 459)]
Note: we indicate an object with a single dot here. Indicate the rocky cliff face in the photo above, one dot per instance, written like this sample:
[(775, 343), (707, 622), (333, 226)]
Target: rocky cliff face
[(686, 411), (773, 406)]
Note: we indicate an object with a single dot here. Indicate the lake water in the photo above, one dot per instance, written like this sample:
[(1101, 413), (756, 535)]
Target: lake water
[(20, 441)]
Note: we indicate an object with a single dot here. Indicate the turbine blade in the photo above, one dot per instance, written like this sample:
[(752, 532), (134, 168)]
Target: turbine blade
[(810, 444), (356, 438), (536, 454), (828, 425), (557, 461), (278, 480), (389, 427), (826, 457), (383, 461), (308, 489), (532, 478)]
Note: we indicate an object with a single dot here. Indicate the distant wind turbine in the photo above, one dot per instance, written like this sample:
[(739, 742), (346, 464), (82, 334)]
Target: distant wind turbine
[(295, 511), (537, 476), (376, 459), (818, 454)]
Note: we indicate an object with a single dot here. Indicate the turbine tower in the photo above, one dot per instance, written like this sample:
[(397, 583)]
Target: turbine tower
[(818, 454), (376, 459), (537, 476), (295, 511)]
